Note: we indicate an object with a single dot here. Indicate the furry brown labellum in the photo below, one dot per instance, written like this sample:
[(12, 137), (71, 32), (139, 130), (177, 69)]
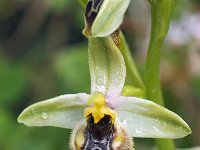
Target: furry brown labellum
[(103, 135)]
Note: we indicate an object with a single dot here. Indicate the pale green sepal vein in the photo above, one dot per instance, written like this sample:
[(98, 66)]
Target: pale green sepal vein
[(144, 118), (63, 111), (109, 18), (107, 67)]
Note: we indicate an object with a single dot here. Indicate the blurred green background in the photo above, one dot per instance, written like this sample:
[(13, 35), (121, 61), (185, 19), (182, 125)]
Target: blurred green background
[(43, 54)]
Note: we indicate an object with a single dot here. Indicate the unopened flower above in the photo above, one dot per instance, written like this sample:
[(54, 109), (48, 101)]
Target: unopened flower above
[(103, 17)]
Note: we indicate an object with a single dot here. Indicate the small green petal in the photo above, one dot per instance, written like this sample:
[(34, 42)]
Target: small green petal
[(63, 111), (107, 67), (109, 18), (144, 118), (129, 90)]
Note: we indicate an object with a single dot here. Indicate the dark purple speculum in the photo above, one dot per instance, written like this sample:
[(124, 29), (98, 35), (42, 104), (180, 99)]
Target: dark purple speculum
[(92, 10)]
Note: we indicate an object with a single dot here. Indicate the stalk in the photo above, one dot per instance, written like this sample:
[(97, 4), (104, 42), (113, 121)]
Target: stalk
[(159, 27)]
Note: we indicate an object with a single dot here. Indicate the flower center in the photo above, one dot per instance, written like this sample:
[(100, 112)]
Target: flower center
[(99, 108)]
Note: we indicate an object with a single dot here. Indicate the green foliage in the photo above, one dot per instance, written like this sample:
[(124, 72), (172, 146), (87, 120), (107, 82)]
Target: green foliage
[(13, 81), (59, 5), (14, 136), (83, 3), (75, 75)]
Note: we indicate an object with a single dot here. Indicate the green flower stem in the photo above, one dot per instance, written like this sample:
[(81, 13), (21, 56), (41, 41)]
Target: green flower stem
[(165, 144), (132, 75), (160, 20), (152, 70)]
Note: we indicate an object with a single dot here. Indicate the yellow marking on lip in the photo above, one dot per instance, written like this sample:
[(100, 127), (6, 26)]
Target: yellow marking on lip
[(100, 109)]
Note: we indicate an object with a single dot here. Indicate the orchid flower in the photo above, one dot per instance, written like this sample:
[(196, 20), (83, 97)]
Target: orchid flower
[(104, 119), (130, 116)]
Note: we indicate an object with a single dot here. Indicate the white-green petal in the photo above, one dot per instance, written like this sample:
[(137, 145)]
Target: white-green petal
[(109, 18), (107, 67), (144, 118), (192, 148), (63, 111)]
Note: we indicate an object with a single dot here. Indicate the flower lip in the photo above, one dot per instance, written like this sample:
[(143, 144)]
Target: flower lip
[(101, 129)]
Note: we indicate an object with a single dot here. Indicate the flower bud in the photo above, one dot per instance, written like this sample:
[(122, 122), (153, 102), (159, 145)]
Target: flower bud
[(103, 17)]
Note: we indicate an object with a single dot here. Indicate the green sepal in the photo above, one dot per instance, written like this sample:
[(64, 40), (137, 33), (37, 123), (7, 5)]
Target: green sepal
[(144, 118), (63, 111), (107, 67)]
